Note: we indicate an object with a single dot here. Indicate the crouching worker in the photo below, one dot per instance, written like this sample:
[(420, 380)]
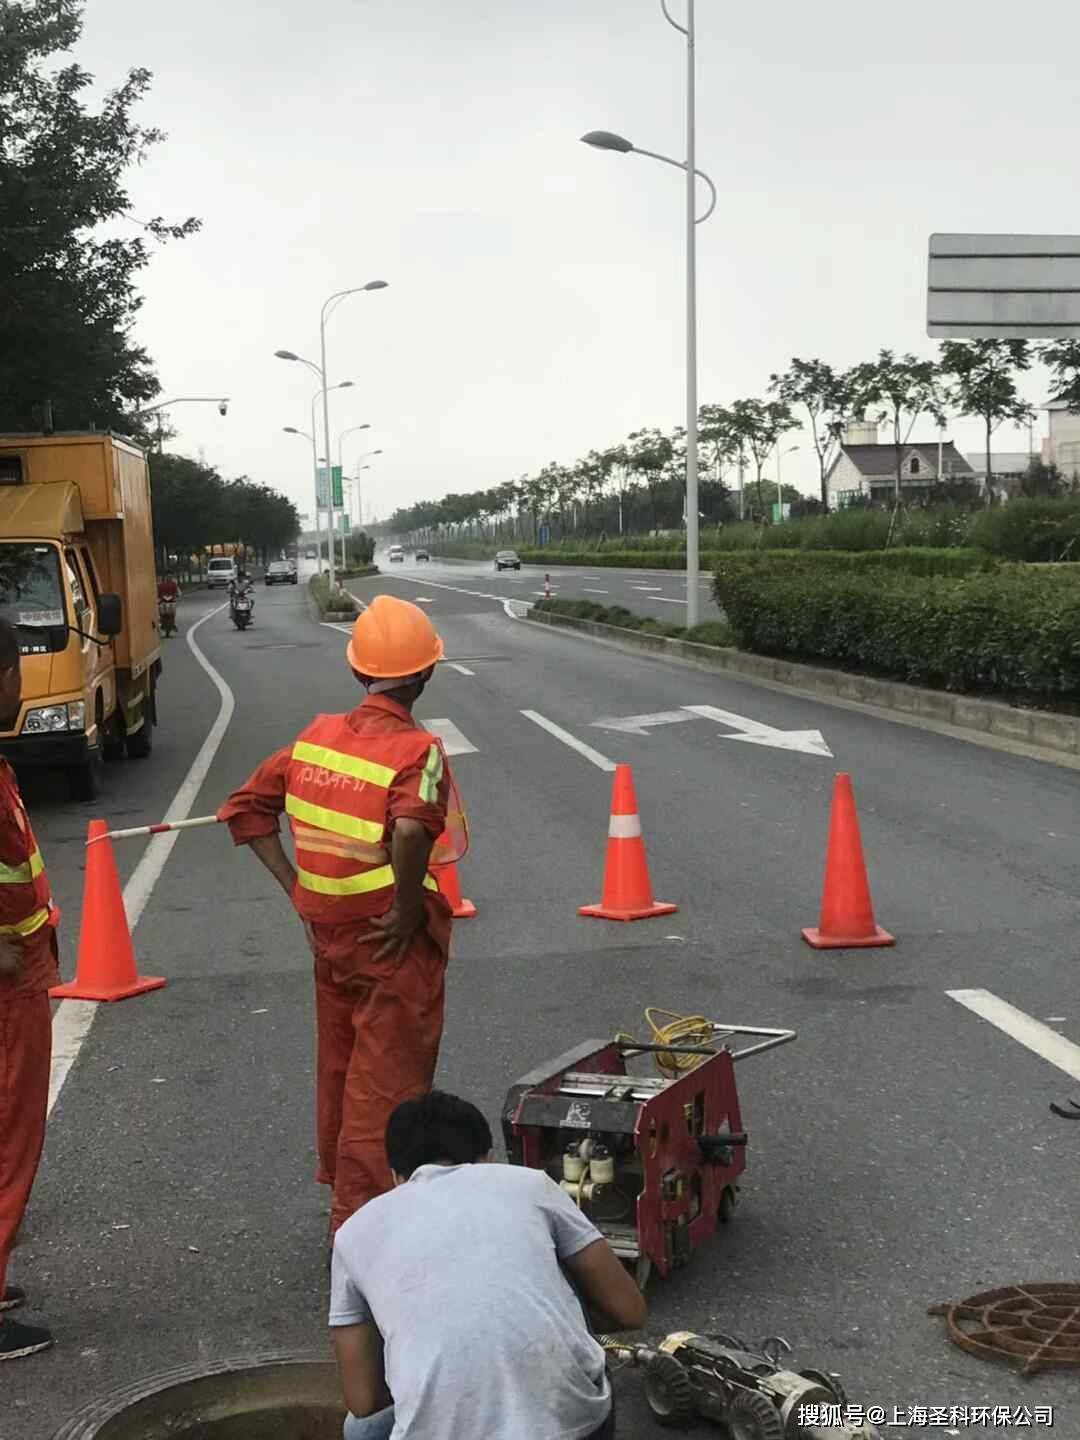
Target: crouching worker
[(451, 1312)]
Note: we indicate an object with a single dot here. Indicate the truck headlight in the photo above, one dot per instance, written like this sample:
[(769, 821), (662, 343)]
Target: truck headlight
[(48, 719)]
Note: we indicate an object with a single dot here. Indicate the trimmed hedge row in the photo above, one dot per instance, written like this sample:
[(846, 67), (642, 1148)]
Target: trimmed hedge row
[(340, 603), (711, 632), (626, 559), (1011, 632), (910, 560)]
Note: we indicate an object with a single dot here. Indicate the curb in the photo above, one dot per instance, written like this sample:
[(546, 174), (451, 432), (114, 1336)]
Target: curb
[(1040, 728)]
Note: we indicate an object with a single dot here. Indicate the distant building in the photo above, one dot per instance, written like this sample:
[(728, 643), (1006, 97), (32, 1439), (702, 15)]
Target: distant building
[(865, 466), (1062, 446), (1008, 468)]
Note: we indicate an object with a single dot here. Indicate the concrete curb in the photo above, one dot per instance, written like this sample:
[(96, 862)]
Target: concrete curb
[(1039, 728)]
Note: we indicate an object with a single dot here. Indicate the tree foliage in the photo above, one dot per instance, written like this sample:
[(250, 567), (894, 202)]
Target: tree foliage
[(981, 380), (826, 395), (67, 277), (195, 509)]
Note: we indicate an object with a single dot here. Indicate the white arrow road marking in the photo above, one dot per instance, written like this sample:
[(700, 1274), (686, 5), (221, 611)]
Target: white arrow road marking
[(809, 742), (454, 742), (638, 724), (1033, 1034)]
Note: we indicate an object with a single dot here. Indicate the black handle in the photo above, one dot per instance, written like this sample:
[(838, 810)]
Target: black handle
[(711, 1145)]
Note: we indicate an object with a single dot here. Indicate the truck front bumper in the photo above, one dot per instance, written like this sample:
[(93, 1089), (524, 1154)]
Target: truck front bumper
[(57, 751)]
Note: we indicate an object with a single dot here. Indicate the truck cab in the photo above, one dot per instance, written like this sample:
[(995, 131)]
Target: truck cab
[(77, 582)]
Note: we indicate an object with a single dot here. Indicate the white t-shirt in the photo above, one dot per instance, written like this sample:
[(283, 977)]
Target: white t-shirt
[(483, 1335)]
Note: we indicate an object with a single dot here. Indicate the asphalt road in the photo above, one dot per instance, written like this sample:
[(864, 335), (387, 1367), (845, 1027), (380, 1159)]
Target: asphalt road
[(647, 592), (901, 1151)]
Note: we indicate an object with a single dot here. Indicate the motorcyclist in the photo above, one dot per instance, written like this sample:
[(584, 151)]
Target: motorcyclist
[(240, 587)]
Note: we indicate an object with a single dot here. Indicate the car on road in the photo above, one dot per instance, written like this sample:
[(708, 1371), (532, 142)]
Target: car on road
[(220, 571), (396, 554), (422, 555), (311, 554), (507, 560), (280, 572)]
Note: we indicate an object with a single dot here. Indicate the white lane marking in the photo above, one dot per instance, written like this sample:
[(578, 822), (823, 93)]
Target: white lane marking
[(1031, 1033), (810, 742), (600, 761), (669, 600), (336, 625), (593, 590), (543, 593), (510, 608), (454, 742), (435, 585), (646, 587), (73, 1018), (423, 600), (638, 724), (461, 669)]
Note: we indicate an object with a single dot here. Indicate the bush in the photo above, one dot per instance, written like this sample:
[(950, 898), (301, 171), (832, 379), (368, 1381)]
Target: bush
[(712, 632), (341, 601), (1030, 529), (909, 560), (1011, 632)]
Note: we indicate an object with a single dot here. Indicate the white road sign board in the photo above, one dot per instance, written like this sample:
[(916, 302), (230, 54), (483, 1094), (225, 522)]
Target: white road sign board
[(1003, 287), (809, 742)]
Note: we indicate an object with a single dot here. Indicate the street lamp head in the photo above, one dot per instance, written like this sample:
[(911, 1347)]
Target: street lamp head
[(376, 452), (286, 355), (376, 285), (343, 385), (605, 140), (290, 430)]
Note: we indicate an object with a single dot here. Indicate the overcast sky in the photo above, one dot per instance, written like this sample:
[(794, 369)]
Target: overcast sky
[(535, 307)]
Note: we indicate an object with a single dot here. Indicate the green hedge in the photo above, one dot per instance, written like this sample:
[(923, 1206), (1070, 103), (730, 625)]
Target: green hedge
[(1033, 530), (626, 559), (711, 632), (320, 592), (910, 560), (1013, 632)]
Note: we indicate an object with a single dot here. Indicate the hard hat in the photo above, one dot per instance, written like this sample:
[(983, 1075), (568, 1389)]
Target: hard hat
[(393, 639)]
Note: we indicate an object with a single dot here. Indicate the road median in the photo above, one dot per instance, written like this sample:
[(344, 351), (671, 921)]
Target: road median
[(1041, 729)]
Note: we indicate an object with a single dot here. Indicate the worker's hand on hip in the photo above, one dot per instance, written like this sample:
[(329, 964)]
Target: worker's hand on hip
[(11, 957), (396, 930)]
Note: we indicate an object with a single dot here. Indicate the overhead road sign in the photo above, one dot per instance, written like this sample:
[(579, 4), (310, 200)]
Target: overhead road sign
[(1003, 287)]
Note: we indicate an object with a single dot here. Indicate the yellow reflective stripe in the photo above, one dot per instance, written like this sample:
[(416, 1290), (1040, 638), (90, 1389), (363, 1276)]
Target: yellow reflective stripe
[(29, 925), (380, 879), (433, 770), (336, 821), (342, 764), (24, 874)]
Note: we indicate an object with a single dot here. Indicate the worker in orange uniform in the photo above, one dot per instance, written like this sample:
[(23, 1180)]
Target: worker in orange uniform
[(367, 795), (28, 966)]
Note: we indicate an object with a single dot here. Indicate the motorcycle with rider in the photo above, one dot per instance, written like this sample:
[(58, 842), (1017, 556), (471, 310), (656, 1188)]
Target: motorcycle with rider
[(242, 599)]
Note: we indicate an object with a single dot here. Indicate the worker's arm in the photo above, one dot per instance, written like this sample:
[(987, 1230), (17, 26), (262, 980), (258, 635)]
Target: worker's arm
[(269, 849), (360, 1368), (607, 1287), (410, 849)]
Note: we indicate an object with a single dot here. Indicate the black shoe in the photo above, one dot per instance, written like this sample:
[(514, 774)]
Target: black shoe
[(12, 1298), (18, 1340)]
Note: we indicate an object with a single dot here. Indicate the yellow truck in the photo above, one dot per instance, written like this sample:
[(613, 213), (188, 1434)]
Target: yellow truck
[(77, 579)]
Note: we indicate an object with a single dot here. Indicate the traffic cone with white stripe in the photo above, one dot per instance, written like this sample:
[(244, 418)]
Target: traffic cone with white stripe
[(627, 891)]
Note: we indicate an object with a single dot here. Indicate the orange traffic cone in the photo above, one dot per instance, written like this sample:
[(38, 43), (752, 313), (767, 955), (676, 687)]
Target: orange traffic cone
[(847, 912), (106, 964), (627, 889), (450, 888)]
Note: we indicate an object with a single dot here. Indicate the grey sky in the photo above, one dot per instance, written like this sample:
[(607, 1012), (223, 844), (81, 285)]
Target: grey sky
[(536, 297)]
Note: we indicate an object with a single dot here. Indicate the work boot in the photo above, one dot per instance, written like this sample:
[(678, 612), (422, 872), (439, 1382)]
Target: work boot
[(17, 1340), (12, 1298)]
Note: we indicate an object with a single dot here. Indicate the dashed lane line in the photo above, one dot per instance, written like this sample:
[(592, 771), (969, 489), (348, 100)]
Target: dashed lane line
[(461, 669), (600, 761), (454, 742), (73, 1018), (1031, 1033)]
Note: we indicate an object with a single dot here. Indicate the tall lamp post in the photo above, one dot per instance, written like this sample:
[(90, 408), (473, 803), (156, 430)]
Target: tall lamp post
[(605, 140), (310, 435), (779, 490)]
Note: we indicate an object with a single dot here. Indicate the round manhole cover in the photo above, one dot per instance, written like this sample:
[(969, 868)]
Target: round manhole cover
[(1035, 1327), (264, 1397)]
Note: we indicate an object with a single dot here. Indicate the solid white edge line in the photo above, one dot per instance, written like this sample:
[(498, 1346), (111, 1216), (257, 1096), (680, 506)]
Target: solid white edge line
[(1032, 1034), (73, 1018), (600, 761)]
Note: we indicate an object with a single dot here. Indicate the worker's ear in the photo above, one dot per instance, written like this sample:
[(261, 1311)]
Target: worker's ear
[(397, 1179)]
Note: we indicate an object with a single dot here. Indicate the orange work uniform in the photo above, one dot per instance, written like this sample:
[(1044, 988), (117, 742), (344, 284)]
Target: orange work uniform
[(28, 918), (344, 783)]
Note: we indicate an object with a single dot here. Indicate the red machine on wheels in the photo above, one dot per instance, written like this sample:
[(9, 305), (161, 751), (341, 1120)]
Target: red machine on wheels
[(653, 1160)]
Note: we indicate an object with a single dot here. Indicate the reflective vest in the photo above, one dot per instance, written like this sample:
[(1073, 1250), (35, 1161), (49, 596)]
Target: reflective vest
[(337, 791), (25, 899)]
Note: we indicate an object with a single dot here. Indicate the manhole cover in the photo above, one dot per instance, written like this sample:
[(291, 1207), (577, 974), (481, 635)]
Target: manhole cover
[(1035, 1327)]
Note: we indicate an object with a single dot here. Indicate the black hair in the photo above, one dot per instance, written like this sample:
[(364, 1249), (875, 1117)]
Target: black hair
[(9, 646), (436, 1127)]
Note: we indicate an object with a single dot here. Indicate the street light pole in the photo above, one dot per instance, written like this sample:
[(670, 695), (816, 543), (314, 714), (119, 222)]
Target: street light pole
[(779, 491)]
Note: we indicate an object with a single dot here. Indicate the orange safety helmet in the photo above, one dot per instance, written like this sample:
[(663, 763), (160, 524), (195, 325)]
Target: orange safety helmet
[(393, 639)]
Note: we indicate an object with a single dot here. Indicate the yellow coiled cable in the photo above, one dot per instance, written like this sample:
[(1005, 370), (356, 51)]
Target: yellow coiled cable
[(678, 1030)]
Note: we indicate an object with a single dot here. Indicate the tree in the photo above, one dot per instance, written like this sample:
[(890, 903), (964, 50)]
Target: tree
[(1063, 359), (67, 277), (756, 425), (826, 397), (982, 382), (650, 454), (904, 387)]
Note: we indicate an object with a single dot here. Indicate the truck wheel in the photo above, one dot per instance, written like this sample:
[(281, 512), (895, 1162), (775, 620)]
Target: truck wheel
[(669, 1392), (141, 743), (753, 1416), (86, 781)]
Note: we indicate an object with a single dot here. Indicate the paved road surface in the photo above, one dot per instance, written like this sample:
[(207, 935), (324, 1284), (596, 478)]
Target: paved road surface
[(647, 592), (901, 1151)]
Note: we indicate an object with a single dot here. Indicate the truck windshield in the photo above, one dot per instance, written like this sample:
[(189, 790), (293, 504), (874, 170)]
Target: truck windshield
[(30, 594)]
